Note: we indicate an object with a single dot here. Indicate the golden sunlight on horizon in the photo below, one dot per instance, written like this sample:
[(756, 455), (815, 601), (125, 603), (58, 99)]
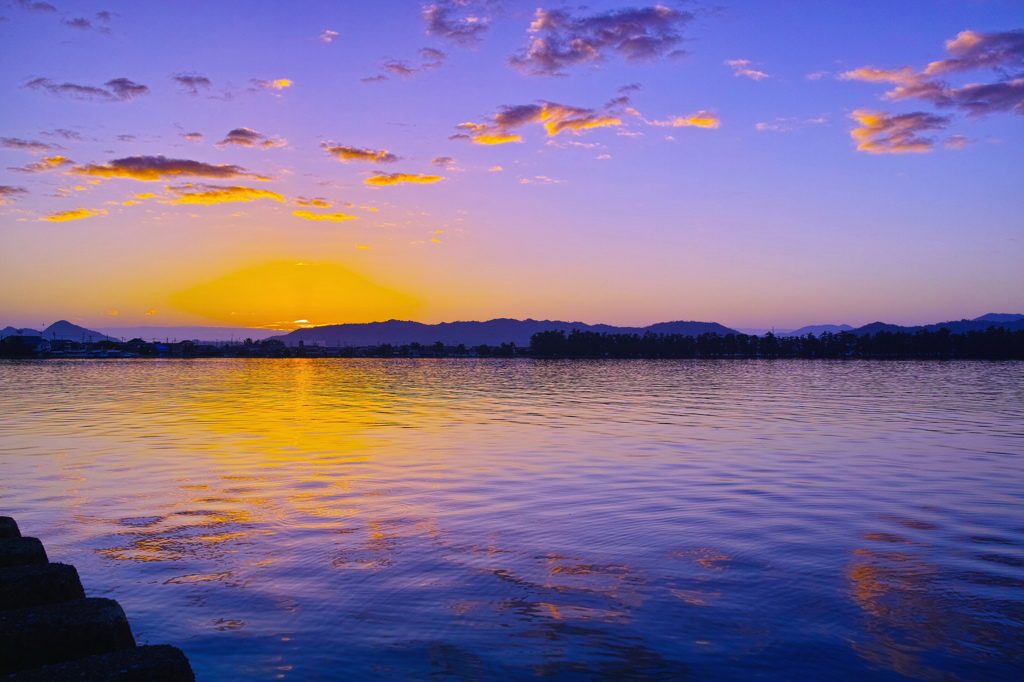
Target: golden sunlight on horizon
[(288, 295)]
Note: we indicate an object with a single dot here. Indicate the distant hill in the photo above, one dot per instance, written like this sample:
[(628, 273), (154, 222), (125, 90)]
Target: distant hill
[(957, 327), (191, 333), (60, 330), (817, 329), (65, 330), (491, 332), (999, 317), (18, 331)]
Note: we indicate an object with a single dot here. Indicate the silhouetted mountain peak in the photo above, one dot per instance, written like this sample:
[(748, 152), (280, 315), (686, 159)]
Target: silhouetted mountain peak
[(999, 317)]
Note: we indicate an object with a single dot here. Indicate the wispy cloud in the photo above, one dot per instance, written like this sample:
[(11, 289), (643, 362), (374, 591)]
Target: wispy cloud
[(559, 40), (346, 153), (443, 161), (539, 180), (328, 36), (76, 214), (217, 194), (9, 192), (116, 90), (335, 217), (44, 165), (193, 137), (971, 50), (429, 59), (882, 133), (154, 168), (192, 82), (443, 21), (71, 135), (246, 137), (35, 6), (555, 118), (33, 146), (318, 202), (382, 178), (957, 142), (741, 67)]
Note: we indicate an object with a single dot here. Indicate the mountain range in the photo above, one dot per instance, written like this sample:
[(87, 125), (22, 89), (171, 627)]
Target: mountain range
[(491, 332)]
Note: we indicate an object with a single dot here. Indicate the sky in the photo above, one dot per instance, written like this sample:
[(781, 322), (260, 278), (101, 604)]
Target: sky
[(288, 164)]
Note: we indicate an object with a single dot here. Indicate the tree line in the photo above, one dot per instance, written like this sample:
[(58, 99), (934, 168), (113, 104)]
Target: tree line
[(995, 343)]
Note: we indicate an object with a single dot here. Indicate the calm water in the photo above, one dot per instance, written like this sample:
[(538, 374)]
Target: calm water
[(515, 519)]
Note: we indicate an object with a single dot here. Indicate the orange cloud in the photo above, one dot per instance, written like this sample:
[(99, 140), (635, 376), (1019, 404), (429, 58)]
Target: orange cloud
[(220, 195), (395, 178), (880, 133), (279, 84), (154, 168), (1002, 52), (46, 164), (702, 119), (556, 118), (77, 214), (336, 217), (345, 153), (903, 75)]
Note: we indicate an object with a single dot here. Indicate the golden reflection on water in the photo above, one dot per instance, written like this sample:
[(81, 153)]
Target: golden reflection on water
[(912, 611), (624, 514)]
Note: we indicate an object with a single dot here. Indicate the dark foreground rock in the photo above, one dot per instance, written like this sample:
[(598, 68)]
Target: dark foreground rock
[(18, 551), (55, 633), (162, 663), (9, 528), (38, 584)]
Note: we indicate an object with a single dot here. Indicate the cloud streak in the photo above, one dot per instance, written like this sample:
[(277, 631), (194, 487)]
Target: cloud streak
[(216, 194), (154, 168), (33, 146), (559, 40), (380, 178), (116, 90), (335, 217), (882, 133), (76, 214), (346, 153), (9, 192), (44, 165)]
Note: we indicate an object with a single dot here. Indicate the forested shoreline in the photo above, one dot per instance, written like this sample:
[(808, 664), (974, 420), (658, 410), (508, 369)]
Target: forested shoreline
[(995, 343)]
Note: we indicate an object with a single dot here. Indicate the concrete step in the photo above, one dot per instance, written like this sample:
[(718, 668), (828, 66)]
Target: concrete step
[(163, 663), (20, 551), (55, 633), (38, 584)]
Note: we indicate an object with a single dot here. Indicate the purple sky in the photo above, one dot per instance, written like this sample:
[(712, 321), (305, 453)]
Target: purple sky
[(286, 164)]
